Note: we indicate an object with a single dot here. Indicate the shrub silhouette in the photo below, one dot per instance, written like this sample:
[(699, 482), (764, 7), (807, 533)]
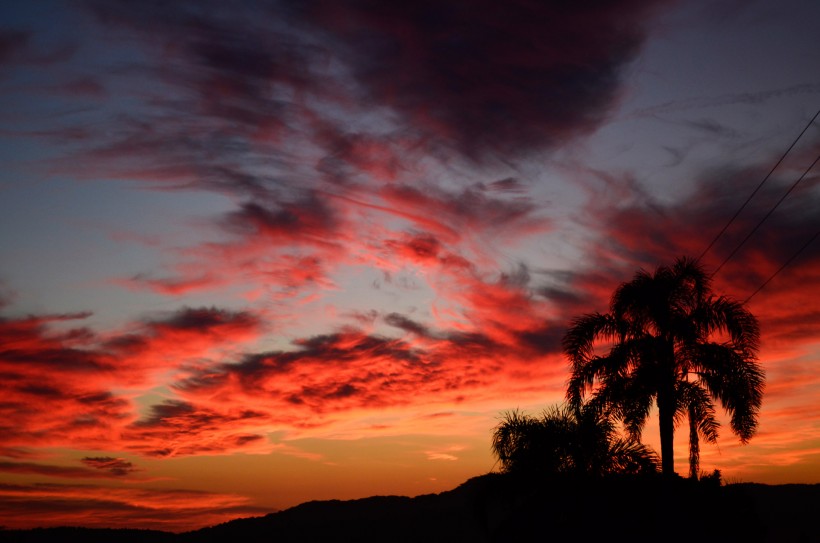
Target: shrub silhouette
[(568, 441)]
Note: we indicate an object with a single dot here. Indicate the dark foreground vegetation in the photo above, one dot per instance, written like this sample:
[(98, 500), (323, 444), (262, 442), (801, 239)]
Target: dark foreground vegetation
[(508, 507)]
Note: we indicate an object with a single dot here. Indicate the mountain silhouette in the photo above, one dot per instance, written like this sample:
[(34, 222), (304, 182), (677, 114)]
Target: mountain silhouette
[(499, 508)]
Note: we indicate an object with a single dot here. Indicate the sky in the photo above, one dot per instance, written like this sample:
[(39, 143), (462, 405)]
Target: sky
[(254, 254)]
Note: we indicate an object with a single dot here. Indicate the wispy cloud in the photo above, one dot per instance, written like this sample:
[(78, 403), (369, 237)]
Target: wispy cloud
[(96, 506), (99, 468)]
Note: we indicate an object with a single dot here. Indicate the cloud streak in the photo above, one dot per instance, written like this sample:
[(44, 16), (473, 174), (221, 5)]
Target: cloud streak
[(93, 506)]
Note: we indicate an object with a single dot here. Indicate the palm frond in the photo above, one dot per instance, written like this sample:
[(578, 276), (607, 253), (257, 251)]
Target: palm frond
[(632, 458), (723, 314), (737, 380), (696, 404), (578, 342)]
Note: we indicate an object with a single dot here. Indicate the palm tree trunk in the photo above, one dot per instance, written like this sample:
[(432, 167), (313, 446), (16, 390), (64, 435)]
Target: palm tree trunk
[(694, 446), (666, 419)]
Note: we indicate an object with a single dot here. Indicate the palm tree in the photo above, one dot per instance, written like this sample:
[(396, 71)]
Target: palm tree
[(698, 407), (673, 343), (568, 441)]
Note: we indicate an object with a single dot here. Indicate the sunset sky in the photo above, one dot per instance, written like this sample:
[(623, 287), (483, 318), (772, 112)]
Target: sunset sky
[(259, 253)]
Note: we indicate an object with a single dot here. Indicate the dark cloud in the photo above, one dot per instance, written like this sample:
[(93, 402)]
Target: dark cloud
[(193, 322), (104, 467), (448, 213), (177, 427), (69, 472), (62, 358), (12, 42), (102, 400), (344, 347), (168, 411), (261, 110), (544, 340), (44, 391), (20, 47), (508, 185), (487, 76), (205, 318), (417, 247), (563, 290), (84, 86), (329, 393), (309, 219), (242, 440), (713, 128), (351, 154), (18, 453), (474, 342), (29, 342), (115, 466), (406, 324), (220, 100)]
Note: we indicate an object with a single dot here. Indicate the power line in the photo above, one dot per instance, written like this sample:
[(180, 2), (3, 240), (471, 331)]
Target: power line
[(781, 268), (723, 230), (761, 221)]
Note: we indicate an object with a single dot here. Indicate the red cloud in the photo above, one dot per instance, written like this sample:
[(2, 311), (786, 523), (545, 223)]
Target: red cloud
[(53, 385), (307, 221), (172, 340), (179, 428), (58, 383), (327, 377)]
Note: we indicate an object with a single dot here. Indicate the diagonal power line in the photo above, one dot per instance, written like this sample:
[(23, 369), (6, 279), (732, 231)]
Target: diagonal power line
[(781, 268), (742, 207), (761, 221)]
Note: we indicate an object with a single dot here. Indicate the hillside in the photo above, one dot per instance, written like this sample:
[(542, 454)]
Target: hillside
[(497, 508)]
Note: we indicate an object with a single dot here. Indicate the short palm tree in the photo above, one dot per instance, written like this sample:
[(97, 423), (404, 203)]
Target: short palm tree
[(697, 406), (671, 342), (568, 441)]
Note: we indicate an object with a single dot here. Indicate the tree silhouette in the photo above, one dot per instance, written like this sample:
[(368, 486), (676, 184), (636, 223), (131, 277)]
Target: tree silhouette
[(673, 343), (697, 406), (569, 441)]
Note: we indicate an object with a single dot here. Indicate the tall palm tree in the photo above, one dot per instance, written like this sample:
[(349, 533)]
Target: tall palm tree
[(671, 342), (568, 441)]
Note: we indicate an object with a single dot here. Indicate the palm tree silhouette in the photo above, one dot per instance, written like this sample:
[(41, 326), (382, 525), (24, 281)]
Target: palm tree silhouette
[(568, 441), (696, 404), (671, 342)]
